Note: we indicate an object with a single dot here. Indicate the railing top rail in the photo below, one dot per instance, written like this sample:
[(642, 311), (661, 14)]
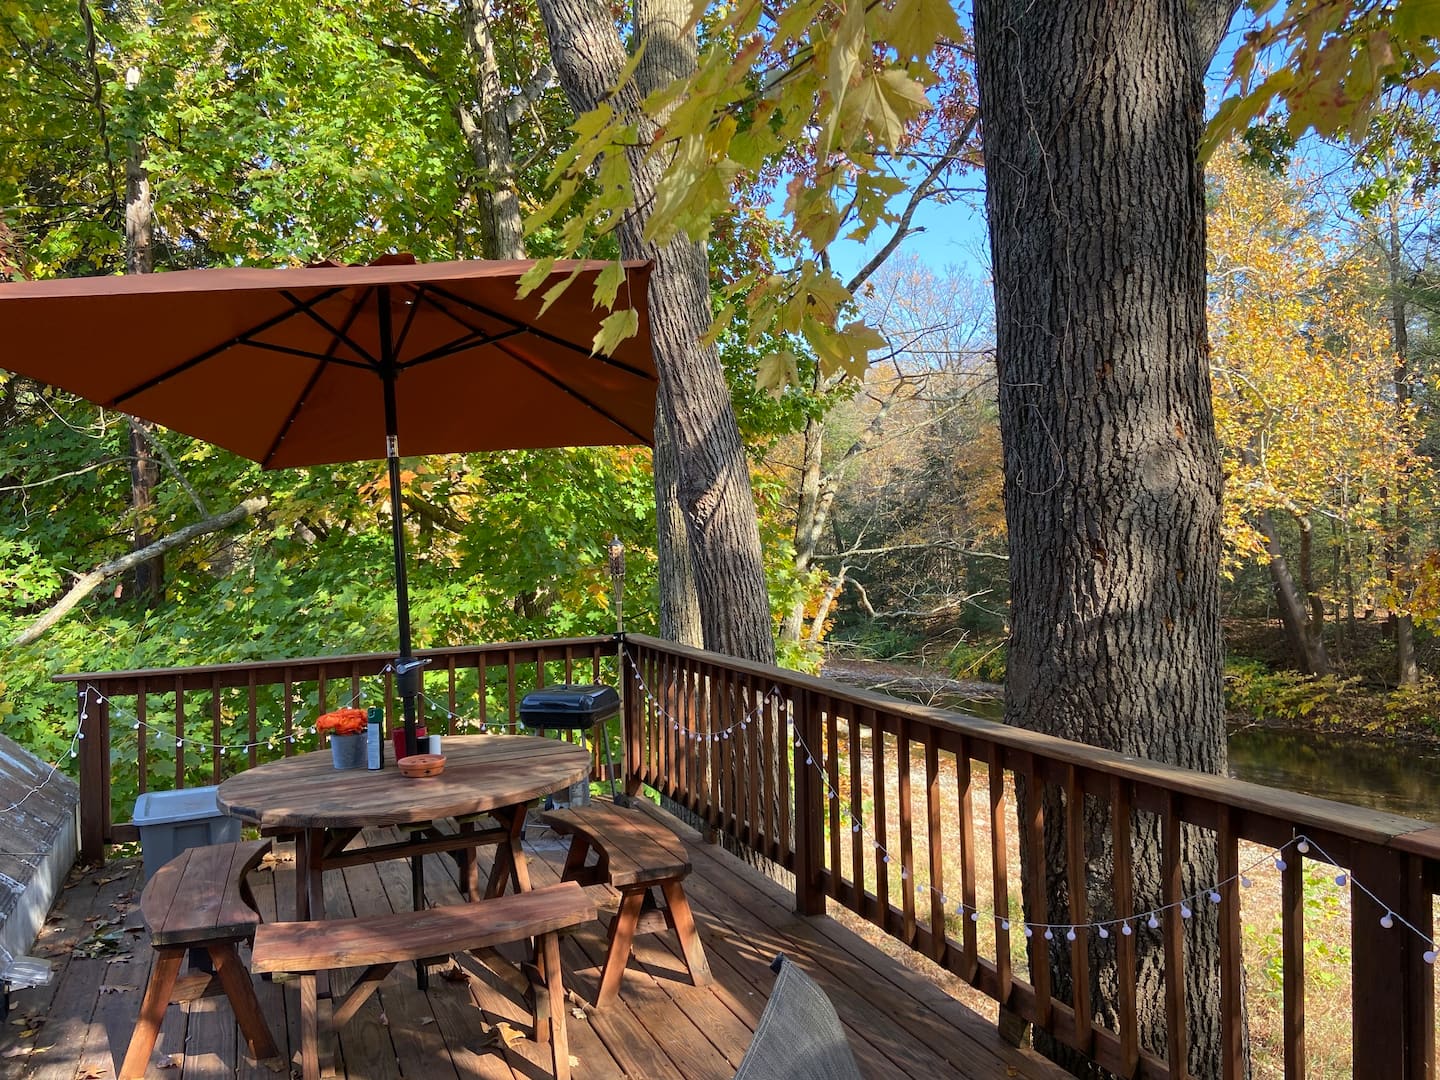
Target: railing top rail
[(339, 660), (1304, 811)]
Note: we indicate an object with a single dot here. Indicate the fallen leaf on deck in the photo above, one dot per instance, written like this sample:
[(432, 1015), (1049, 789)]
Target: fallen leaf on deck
[(111, 988), (385, 1020), (578, 1013), (171, 1062), (504, 1033), (426, 1020), (93, 1072), (456, 974), (574, 1062)]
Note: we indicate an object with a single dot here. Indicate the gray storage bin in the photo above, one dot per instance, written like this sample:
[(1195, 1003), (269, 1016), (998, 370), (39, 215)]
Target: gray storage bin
[(174, 821)]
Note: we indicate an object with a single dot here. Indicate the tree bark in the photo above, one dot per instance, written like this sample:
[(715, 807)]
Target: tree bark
[(149, 576), (1407, 671), (712, 474), (487, 133), (1091, 115), (679, 601)]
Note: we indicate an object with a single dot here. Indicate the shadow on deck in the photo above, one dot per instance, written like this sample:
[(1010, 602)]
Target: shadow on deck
[(899, 1021)]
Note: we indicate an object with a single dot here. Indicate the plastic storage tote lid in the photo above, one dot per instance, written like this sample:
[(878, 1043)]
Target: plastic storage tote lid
[(168, 807)]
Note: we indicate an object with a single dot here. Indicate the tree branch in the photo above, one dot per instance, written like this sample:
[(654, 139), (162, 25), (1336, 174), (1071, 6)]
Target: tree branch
[(87, 583), (917, 195), (436, 515)]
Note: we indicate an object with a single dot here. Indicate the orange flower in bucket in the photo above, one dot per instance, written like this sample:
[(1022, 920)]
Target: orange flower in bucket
[(342, 722)]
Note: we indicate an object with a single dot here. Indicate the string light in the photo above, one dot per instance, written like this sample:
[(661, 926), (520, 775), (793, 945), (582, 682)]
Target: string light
[(1301, 843)]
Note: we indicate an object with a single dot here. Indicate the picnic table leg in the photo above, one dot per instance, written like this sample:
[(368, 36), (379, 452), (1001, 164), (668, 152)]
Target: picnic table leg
[(509, 854), (152, 1012)]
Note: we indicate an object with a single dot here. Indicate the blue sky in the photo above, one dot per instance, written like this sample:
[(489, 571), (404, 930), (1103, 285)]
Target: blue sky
[(955, 235)]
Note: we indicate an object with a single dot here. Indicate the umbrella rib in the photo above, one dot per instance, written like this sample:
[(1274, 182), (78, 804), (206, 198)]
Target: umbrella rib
[(240, 339), (409, 321), (459, 345), (342, 334), (310, 385), (531, 328), (561, 385), (306, 354)]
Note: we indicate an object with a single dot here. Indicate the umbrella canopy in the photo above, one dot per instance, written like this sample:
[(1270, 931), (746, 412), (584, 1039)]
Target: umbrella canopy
[(326, 364), (291, 367)]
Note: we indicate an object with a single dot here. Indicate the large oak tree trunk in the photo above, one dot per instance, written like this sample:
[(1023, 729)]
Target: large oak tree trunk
[(712, 475), (1091, 114)]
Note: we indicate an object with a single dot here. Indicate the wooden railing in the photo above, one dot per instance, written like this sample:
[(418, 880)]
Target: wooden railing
[(914, 818), (178, 727), (908, 816)]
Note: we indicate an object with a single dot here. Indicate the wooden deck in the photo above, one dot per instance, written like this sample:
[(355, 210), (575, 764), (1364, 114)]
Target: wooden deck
[(900, 1022)]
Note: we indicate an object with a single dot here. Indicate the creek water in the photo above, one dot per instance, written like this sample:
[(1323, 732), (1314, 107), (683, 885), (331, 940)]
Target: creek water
[(1362, 770), (1367, 771)]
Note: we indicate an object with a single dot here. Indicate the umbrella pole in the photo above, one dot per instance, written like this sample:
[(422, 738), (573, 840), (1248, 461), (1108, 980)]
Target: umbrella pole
[(407, 668)]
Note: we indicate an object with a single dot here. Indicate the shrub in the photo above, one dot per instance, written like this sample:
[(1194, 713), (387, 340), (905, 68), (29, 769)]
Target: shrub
[(978, 661)]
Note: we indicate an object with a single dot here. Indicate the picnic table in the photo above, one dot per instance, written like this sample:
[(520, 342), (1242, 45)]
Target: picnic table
[(327, 808)]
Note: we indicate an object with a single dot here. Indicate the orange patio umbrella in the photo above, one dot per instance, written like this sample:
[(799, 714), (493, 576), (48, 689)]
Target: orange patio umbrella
[(326, 364)]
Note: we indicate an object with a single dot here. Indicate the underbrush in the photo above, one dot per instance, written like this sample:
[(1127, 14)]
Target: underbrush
[(1288, 698)]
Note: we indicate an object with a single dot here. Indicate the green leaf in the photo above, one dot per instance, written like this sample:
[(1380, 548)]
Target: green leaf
[(615, 328), (914, 26), (1415, 19), (776, 371), (882, 104), (531, 279), (607, 284)]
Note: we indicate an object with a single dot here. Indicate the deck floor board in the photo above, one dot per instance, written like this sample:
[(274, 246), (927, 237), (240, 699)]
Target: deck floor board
[(900, 1022)]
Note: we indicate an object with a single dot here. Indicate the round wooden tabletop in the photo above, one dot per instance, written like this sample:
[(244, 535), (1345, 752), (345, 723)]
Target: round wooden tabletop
[(482, 772)]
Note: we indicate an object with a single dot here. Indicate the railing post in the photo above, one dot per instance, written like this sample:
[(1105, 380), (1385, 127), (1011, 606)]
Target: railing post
[(632, 709), (1394, 995), (809, 808), (93, 713)]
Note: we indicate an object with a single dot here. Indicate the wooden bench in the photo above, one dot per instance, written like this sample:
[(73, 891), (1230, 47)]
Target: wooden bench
[(380, 942), (200, 898), (635, 854)]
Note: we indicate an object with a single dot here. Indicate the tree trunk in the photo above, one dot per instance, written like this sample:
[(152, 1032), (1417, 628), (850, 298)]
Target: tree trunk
[(1303, 629), (1407, 671), (809, 518), (712, 473), (1091, 114), (487, 133), (679, 604), (149, 576)]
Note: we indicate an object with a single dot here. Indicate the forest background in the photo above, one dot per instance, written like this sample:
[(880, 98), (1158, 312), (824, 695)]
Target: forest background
[(162, 135)]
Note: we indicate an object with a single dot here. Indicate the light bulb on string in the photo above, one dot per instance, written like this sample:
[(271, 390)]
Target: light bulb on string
[(1153, 922), (1214, 896), (1303, 846), (1070, 934), (1004, 924), (1125, 929), (1185, 911), (1104, 932), (1341, 879), (1279, 863), (1387, 920)]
